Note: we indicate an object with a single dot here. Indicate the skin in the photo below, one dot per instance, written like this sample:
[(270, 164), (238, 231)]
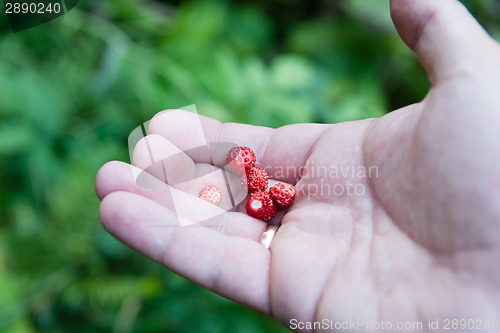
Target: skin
[(420, 242)]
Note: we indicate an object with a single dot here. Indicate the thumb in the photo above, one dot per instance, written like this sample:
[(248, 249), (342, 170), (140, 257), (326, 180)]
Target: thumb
[(447, 38)]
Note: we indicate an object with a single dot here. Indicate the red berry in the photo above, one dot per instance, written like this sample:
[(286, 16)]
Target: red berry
[(261, 206), (211, 194), (255, 180), (240, 159), (283, 195)]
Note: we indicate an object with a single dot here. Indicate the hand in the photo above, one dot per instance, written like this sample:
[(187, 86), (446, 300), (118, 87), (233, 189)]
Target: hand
[(410, 235)]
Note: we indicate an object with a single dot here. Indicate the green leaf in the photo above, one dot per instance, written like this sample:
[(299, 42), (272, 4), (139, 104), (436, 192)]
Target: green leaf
[(15, 138)]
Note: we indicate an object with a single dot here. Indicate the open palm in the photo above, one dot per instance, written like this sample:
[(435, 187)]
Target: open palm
[(395, 219)]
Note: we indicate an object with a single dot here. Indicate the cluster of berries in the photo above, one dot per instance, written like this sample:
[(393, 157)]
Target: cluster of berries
[(262, 205)]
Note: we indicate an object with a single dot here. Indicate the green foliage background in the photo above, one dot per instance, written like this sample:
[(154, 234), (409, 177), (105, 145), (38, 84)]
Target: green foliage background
[(72, 90)]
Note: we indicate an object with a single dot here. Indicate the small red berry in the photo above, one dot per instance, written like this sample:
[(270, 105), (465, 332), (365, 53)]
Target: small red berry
[(255, 180), (261, 206), (283, 195), (240, 159), (211, 194)]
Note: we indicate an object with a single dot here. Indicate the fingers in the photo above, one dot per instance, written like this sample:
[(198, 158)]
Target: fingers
[(282, 152), (118, 176), (236, 268), (446, 37), (161, 158), (191, 132)]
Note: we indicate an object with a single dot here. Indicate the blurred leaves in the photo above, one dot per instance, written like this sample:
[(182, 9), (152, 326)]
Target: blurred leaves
[(73, 89)]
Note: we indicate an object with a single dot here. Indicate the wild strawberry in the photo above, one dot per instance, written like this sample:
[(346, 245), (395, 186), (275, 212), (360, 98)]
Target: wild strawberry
[(255, 180), (211, 194), (282, 194), (240, 159), (261, 206)]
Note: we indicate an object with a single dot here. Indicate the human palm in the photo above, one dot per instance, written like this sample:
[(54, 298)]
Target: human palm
[(395, 218)]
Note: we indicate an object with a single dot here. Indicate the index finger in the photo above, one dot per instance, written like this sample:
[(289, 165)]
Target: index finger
[(281, 151)]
